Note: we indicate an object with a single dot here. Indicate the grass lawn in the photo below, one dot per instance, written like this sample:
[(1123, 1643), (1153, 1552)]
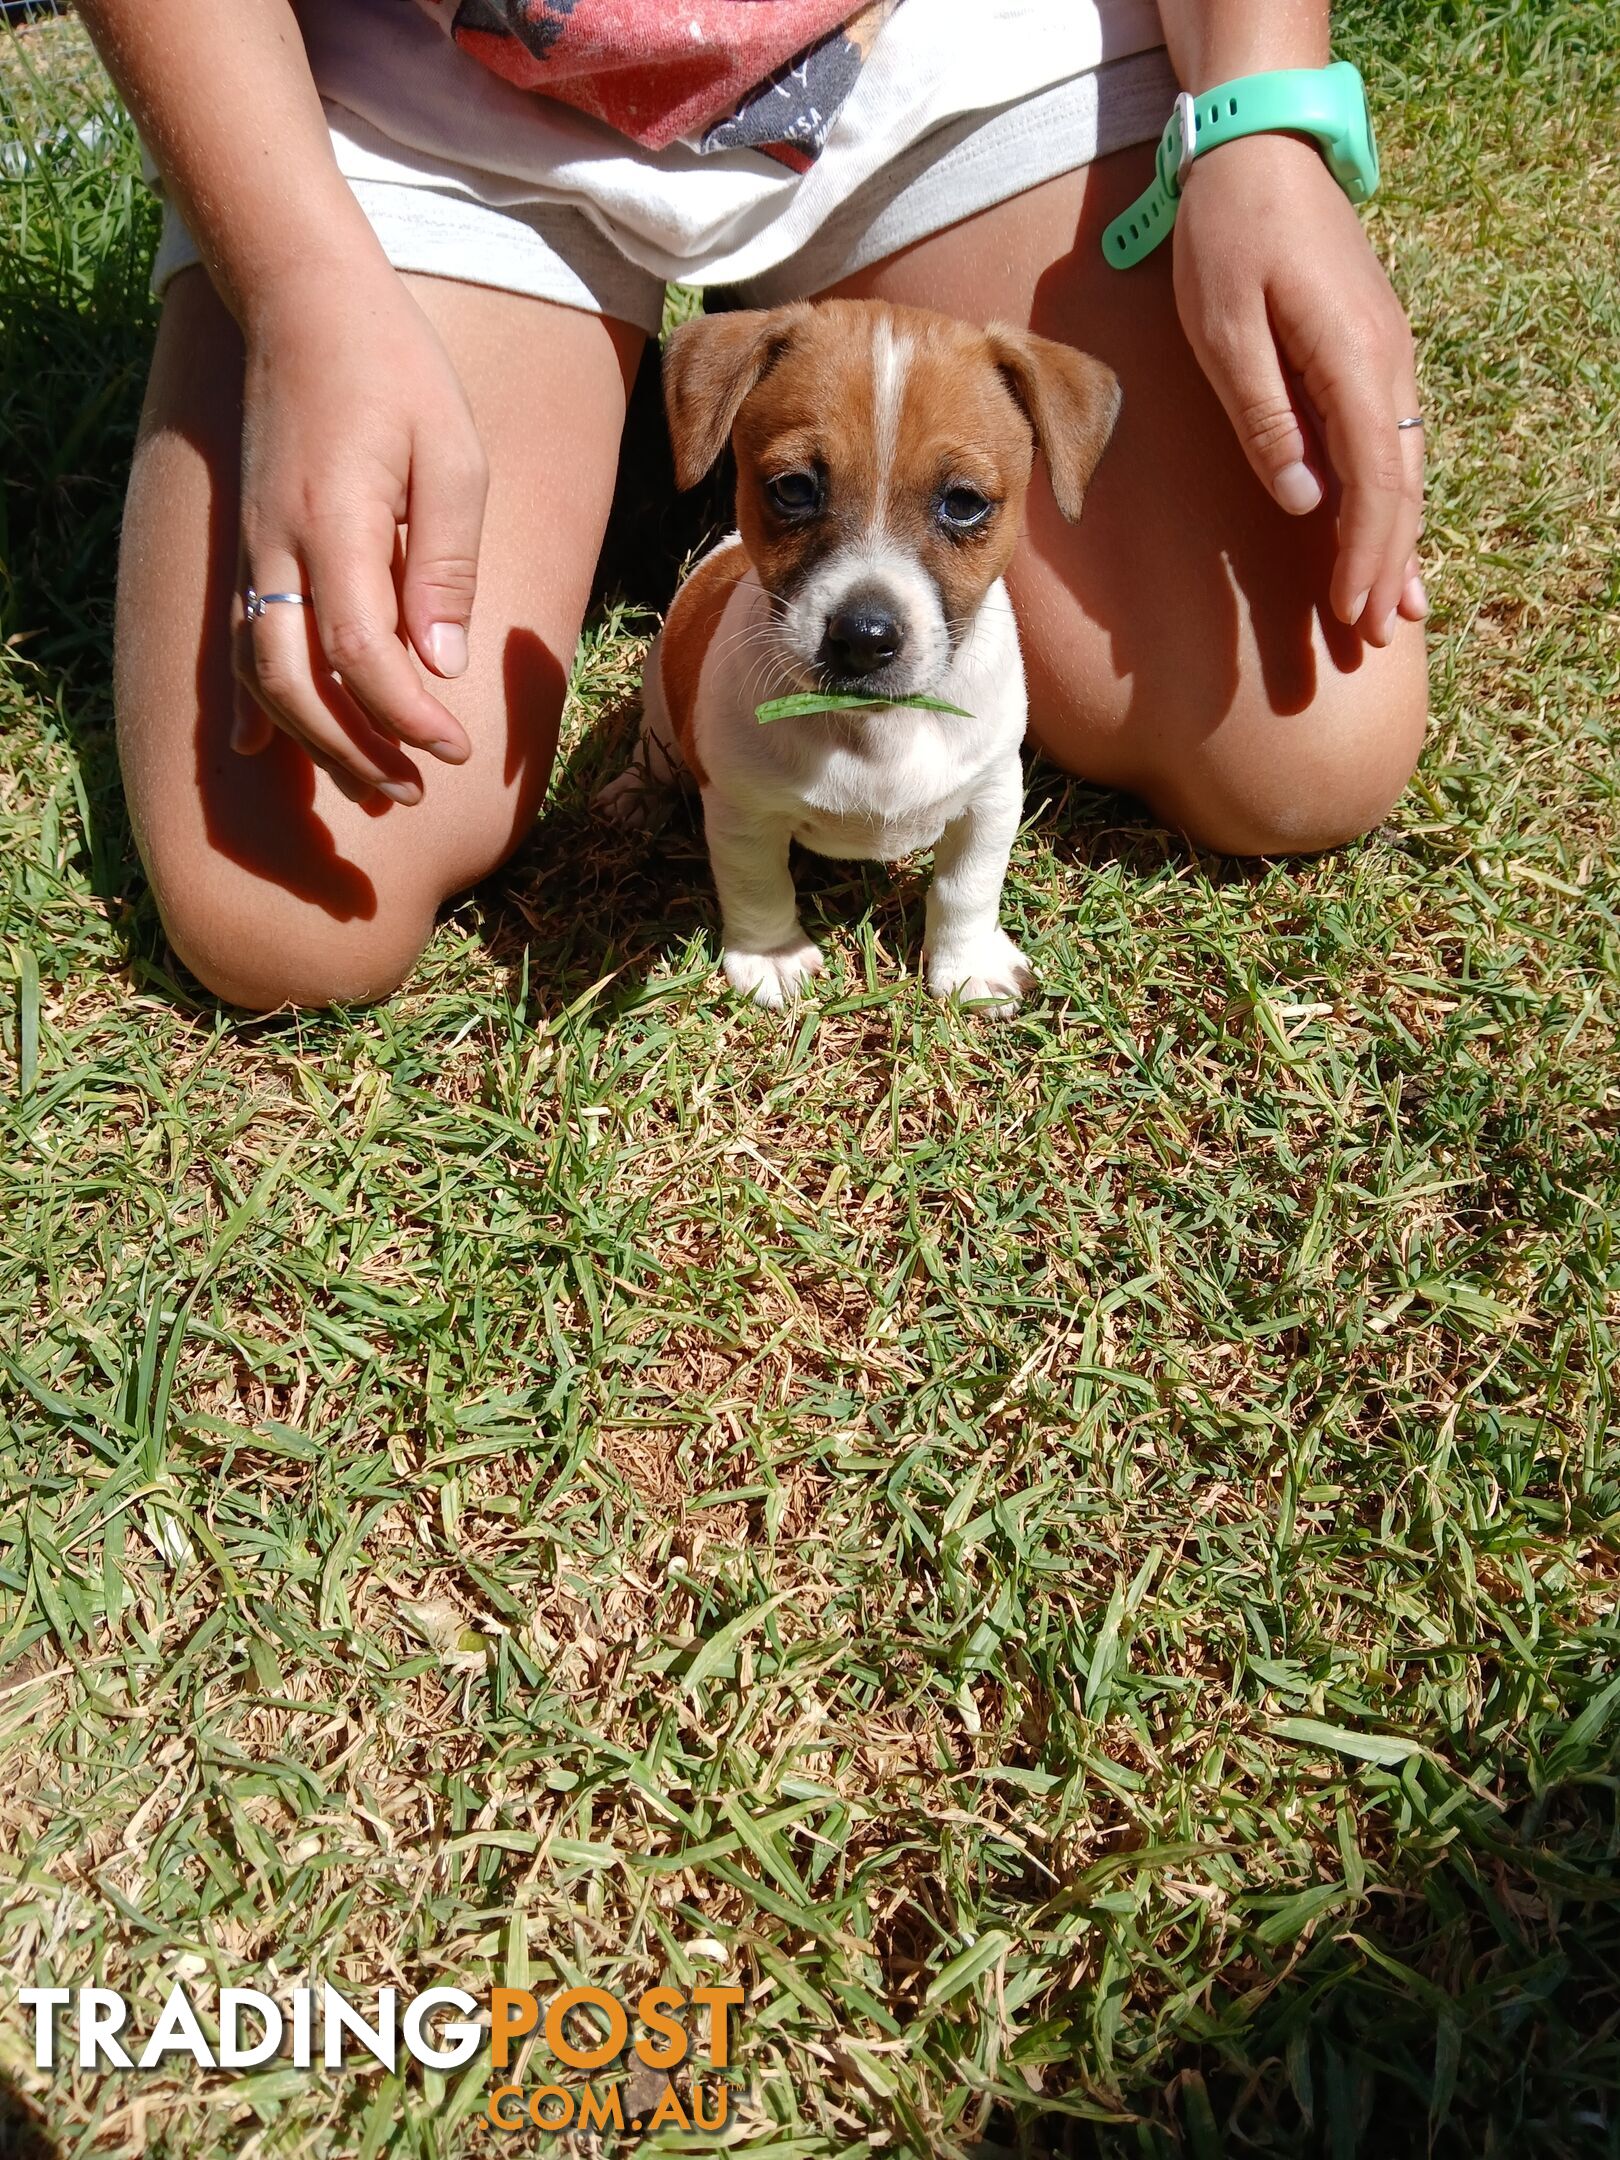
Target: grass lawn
[(1077, 1558)]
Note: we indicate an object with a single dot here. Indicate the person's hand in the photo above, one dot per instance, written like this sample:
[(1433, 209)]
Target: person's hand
[(1285, 305), (354, 424)]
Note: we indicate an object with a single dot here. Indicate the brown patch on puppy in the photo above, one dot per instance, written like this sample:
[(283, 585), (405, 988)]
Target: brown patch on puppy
[(1071, 401), (956, 426), (689, 628), (710, 365)]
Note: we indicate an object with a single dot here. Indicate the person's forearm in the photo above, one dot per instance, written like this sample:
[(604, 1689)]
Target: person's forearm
[(1213, 41), (222, 94)]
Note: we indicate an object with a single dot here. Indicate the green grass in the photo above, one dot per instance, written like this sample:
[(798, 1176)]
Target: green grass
[(1081, 1553)]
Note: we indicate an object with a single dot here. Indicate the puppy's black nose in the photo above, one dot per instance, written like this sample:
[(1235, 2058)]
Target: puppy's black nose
[(862, 637)]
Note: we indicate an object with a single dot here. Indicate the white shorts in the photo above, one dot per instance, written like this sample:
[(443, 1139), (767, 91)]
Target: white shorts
[(961, 104)]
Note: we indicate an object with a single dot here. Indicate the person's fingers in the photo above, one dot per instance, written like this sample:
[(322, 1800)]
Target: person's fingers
[(1239, 355), (251, 726), (279, 662), (357, 614), (1390, 587), (1350, 378), (1359, 424), (445, 520), (1414, 600)]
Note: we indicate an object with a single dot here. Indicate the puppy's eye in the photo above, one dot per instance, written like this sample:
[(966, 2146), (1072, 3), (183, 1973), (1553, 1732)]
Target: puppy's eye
[(963, 508), (795, 494)]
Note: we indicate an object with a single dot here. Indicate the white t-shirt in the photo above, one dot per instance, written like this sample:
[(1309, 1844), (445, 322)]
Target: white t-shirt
[(406, 107)]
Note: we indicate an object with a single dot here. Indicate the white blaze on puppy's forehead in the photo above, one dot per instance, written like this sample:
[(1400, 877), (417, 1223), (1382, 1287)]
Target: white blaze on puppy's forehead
[(891, 350)]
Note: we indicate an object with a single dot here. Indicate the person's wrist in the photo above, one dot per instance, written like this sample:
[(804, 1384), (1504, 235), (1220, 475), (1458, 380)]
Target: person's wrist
[(1274, 160), (1210, 45), (285, 294)]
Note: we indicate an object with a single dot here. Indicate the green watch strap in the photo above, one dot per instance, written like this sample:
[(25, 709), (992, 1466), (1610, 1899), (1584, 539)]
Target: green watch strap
[(1329, 103), (1137, 231)]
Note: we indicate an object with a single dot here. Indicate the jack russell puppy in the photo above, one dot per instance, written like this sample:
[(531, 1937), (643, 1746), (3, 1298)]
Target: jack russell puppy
[(883, 454)]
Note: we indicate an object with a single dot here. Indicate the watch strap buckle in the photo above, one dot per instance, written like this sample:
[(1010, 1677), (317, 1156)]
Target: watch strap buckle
[(1181, 133)]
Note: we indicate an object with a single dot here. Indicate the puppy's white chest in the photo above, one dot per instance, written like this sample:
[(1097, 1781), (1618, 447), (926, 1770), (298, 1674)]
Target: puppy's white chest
[(877, 782), (868, 838), (884, 794)]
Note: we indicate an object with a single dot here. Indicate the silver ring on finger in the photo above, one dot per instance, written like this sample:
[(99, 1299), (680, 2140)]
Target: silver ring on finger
[(1416, 420), (255, 603)]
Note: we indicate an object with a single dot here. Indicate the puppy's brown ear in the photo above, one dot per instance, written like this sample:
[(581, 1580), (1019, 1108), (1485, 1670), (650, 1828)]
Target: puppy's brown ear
[(710, 365), (1069, 398)]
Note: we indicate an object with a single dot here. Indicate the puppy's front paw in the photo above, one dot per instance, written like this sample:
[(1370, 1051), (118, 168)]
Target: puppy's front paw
[(991, 975), (630, 801), (772, 978)]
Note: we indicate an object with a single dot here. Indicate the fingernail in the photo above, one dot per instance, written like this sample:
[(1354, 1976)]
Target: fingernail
[(1297, 489), (1353, 613), (453, 753), (400, 791), (1388, 630), (239, 730), (447, 648), (1416, 597)]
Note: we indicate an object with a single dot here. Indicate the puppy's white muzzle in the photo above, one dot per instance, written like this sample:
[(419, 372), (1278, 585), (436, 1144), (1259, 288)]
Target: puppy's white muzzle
[(868, 619)]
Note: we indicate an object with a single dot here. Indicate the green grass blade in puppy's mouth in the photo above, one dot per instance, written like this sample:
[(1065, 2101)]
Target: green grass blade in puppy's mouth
[(811, 701)]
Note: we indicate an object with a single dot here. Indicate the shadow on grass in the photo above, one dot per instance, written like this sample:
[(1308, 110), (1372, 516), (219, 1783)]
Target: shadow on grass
[(74, 342), (582, 900), (23, 2135), (1473, 2009)]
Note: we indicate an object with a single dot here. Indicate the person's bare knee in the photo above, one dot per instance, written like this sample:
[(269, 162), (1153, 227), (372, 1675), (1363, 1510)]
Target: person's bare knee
[(1264, 783), (274, 889), (263, 962)]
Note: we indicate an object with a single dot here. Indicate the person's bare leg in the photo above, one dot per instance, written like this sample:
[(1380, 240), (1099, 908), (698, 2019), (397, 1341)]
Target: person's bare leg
[(274, 888), (1178, 639)]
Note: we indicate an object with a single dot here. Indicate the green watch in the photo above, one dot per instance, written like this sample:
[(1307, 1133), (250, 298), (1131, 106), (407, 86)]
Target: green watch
[(1328, 103)]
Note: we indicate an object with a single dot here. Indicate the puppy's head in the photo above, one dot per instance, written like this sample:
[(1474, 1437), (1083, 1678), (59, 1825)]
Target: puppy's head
[(883, 454)]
